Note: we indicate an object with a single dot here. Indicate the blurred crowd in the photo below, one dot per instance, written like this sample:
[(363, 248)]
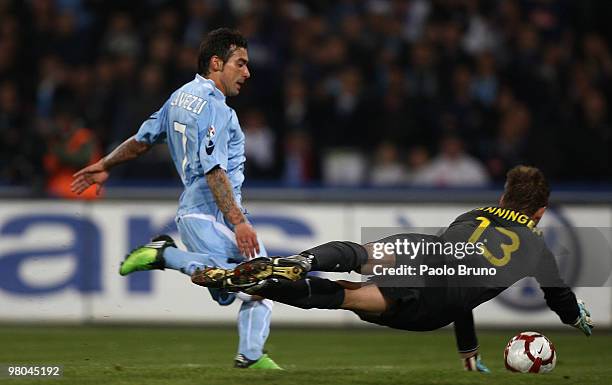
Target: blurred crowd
[(348, 92)]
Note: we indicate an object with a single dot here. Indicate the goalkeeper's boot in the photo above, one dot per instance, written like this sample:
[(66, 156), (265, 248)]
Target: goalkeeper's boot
[(219, 278), (292, 268), (251, 272), (147, 257), (264, 362)]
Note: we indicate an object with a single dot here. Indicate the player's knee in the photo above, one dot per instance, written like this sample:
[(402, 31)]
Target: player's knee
[(367, 299), (350, 300)]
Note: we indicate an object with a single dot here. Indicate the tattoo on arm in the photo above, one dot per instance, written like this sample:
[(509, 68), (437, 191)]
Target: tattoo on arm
[(222, 191), (128, 150)]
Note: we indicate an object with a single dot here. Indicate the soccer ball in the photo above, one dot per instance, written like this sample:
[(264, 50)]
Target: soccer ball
[(530, 352)]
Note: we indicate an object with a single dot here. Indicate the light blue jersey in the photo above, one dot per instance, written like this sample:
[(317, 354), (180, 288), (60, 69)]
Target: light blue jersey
[(202, 132)]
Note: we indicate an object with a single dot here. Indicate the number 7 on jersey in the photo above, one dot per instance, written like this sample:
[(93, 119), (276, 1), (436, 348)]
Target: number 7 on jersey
[(179, 127)]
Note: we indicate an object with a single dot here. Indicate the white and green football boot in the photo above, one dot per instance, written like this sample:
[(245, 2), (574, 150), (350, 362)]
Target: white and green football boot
[(147, 257), (264, 362)]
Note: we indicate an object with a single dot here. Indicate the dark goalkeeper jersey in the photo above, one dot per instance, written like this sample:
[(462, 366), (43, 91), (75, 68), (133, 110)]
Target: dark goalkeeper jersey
[(516, 249), (512, 246)]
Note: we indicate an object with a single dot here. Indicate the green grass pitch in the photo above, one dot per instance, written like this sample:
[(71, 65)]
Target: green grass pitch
[(203, 355)]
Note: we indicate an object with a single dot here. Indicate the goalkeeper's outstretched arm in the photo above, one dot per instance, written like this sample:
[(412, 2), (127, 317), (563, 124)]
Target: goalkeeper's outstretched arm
[(467, 343), (560, 298)]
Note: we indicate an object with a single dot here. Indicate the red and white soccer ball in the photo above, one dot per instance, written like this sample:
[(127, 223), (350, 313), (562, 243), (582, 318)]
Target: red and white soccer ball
[(530, 352)]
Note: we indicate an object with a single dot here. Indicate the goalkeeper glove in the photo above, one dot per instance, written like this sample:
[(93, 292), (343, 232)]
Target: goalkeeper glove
[(584, 322), (475, 364)]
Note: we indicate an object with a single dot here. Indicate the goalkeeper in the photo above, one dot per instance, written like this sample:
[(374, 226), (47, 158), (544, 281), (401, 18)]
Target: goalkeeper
[(513, 246)]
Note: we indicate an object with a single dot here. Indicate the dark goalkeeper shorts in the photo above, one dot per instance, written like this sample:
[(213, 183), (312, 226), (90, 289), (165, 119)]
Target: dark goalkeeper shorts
[(416, 309)]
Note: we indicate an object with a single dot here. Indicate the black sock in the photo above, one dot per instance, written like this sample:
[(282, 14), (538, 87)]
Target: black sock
[(338, 256), (306, 293)]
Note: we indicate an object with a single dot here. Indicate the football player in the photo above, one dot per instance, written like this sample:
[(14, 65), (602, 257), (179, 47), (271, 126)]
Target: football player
[(508, 242), (207, 147)]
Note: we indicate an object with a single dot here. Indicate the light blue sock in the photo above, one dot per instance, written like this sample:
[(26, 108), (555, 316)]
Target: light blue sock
[(187, 262), (254, 327)]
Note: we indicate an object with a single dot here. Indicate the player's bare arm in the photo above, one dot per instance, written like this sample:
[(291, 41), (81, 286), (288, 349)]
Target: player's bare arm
[(98, 172), (246, 237), (128, 150)]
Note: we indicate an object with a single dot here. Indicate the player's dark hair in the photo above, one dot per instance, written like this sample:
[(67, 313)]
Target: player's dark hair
[(526, 190), (221, 42)]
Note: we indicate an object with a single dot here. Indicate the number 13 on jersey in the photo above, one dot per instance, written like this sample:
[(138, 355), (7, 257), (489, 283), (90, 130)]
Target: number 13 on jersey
[(507, 248)]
